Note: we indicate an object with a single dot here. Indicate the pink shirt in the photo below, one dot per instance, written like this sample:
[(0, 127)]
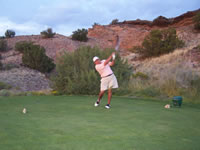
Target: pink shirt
[(104, 70)]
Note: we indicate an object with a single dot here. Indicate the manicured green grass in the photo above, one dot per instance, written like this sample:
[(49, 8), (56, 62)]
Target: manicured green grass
[(73, 123)]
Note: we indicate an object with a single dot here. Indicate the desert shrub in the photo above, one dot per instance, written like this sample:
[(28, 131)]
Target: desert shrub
[(148, 92), (75, 72), (135, 49), (114, 21), (34, 57), (39, 93), (4, 86), (5, 92), (3, 45), (80, 35), (140, 75), (141, 87), (1, 66), (56, 93), (95, 24), (47, 33), (159, 42), (193, 93), (10, 66), (9, 33), (196, 20), (198, 47), (196, 84), (22, 46), (171, 88)]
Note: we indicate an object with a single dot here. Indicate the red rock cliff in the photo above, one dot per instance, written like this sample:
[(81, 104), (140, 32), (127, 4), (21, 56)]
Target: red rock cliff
[(127, 34)]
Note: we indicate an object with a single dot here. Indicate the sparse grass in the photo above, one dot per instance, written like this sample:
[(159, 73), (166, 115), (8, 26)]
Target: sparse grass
[(171, 74), (72, 122)]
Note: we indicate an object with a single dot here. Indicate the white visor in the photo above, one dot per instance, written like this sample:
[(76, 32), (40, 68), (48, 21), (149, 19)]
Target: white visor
[(95, 58)]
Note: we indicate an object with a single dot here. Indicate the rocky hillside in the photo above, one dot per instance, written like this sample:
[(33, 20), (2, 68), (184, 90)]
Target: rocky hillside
[(122, 36), (25, 79), (125, 35), (53, 46)]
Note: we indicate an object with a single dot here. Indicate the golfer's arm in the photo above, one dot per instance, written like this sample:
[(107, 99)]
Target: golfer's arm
[(112, 63), (108, 60)]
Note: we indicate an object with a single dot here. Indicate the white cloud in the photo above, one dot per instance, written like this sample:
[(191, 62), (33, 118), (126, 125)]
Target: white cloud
[(65, 16), (26, 28)]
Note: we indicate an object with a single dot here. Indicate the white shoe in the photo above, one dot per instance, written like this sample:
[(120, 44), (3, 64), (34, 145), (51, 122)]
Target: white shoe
[(96, 104), (107, 106)]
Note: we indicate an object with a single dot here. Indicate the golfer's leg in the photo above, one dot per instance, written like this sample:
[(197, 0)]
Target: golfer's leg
[(109, 95), (100, 95)]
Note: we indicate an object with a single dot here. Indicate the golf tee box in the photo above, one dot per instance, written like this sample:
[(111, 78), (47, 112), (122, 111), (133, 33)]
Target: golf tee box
[(177, 101)]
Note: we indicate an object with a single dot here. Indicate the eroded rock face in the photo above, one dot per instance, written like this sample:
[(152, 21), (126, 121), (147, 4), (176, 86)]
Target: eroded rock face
[(132, 33), (127, 36)]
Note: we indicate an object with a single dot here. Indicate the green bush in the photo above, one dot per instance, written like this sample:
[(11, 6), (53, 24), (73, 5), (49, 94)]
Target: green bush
[(2, 37), (10, 66), (9, 33), (140, 75), (3, 45), (95, 24), (114, 21), (1, 66), (22, 46), (4, 86), (196, 20), (159, 42), (47, 33), (196, 84), (198, 47), (34, 57), (75, 72), (5, 92), (80, 35)]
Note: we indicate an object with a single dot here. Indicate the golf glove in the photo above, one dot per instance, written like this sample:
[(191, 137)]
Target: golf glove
[(113, 57)]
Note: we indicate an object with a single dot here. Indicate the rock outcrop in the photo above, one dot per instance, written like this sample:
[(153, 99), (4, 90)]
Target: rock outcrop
[(24, 79), (132, 33), (53, 46)]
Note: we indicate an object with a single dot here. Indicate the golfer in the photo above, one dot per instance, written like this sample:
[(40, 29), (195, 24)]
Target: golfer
[(108, 79)]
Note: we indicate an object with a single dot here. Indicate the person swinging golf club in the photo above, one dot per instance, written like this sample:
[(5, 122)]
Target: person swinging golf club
[(108, 79)]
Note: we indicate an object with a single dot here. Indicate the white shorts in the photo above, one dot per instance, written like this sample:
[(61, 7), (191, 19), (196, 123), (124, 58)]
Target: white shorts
[(109, 82)]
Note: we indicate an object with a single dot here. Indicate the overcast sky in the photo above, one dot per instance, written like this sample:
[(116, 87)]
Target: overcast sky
[(27, 17)]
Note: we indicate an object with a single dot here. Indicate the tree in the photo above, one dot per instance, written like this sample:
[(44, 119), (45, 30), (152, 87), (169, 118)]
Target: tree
[(34, 56), (196, 20), (47, 33), (9, 33), (114, 21), (80, 35), (159, 42)]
